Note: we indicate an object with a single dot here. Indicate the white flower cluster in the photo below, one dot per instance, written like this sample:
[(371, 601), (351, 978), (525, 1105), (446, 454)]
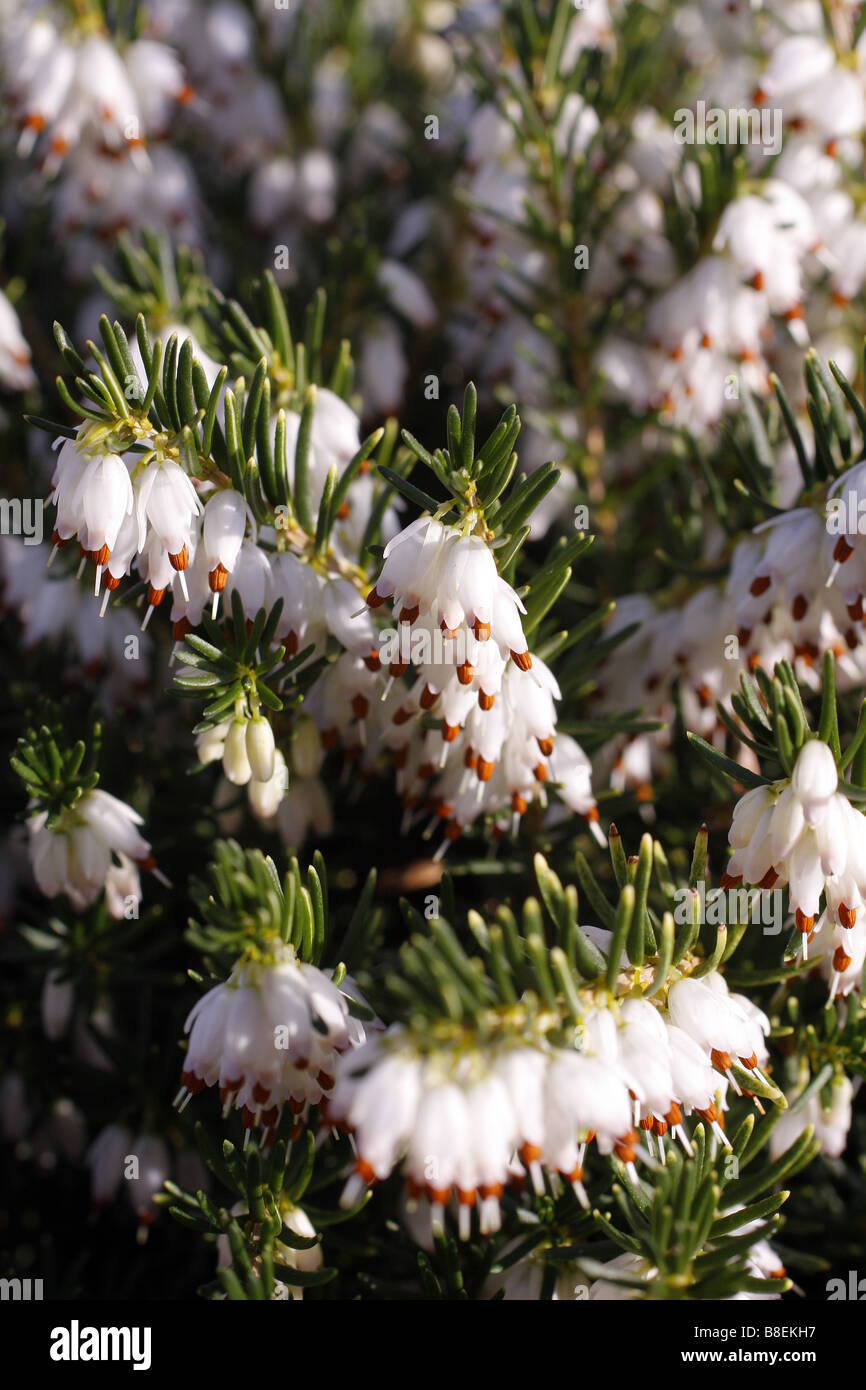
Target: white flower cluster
[(92, 110), (93, 848), (268, 1037), (468, 1120), (805, 833), (795, 590)]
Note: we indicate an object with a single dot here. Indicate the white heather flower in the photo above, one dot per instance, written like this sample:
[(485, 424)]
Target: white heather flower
[(306, 751), (223, 528), (152, 1169), (719, 1022), (57, 1002), (106, 1159), (265, 797), (831, 1125), (16, 372), (268, 1036), (251, 579), (803, 832), (166, 501), (122, 887), (15, 1113), (75, 855), (306, 806)]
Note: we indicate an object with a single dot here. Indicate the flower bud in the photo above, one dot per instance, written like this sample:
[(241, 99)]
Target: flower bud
[(236, 764), (260, 748), (306, 749)]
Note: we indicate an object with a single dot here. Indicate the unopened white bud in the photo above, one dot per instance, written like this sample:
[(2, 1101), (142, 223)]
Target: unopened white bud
[(260, 748), (236, 764), (306, 749)]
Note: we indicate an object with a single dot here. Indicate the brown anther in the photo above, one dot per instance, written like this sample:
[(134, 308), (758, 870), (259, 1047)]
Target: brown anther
[(485, 702), (371, 660), (178, 629), (329, 737), (485, 770), (720, 1060), (438, 1195), (470, 758), (799, 607), (660, 1127), (398, 758), (193, 1083), (428, 697), (804, 923), (155, 596), (674, 1115), (365, 1170), (540, 772), (408, 615), (841, 959), (491, 1189), (178, 561), (466, 1196), (324, 1080), (401, 715), (749, 1062), (647, 1122), (730, 880), (342, 511), (293, 644), (260, 1093), (706, 340), (360, 705), (757, 281), (518, 803), (847, 916), (842, 551), (481, 630), (450, 731), (743, 635), (110, 583), (759, 585), (529, 1153), (855, 610), (769, 879), (465, 672), (449, 632), (374, 598), (546, 746), (396, 668), (624, 1148), (522, 659), (453, 831)]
